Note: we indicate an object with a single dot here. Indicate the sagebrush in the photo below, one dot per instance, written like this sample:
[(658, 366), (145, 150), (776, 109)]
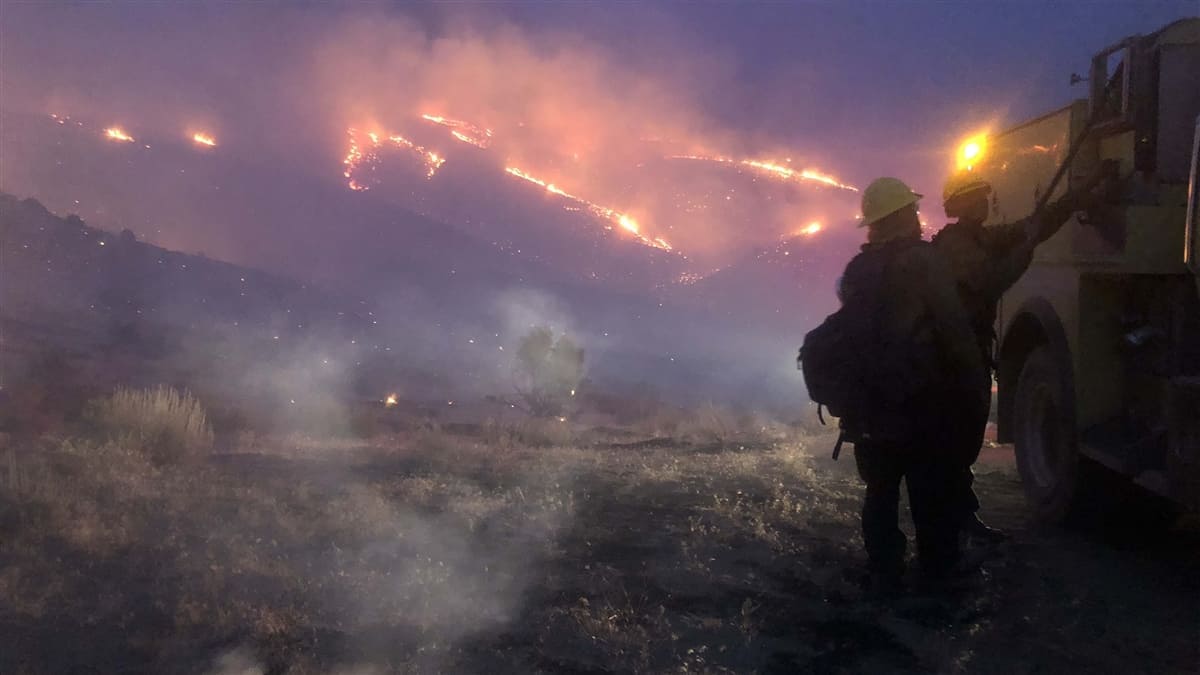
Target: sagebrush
[(549, 372), (159, 419)]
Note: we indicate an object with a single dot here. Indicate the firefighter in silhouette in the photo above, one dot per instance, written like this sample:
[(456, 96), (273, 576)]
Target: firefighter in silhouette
[(923, 352), (985, 262)]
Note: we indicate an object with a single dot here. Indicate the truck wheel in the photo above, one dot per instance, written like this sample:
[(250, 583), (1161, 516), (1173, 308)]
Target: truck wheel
[(1045, 437)]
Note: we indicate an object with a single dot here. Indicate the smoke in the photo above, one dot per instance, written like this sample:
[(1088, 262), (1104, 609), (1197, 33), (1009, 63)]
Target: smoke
[(405, 568), (549, 97), (573, 113), (521, 310), (237, 661)]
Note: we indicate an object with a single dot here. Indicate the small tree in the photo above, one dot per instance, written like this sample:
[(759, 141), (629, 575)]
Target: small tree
[(549, 371)]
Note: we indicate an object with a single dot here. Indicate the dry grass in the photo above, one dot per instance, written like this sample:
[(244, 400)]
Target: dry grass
[(437, 537), (711, 424), (446, 550), (535, 432), (661, 422), (161, 420)]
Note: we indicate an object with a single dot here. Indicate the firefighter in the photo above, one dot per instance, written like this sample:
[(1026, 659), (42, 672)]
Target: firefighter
[(924, 326), (985, 262)]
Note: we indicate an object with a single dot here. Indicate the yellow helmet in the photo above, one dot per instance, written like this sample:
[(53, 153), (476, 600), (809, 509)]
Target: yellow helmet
[(964, 182), (883, 197)]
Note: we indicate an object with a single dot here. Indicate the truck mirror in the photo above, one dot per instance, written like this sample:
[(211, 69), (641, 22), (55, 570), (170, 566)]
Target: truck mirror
[(1109, 82)]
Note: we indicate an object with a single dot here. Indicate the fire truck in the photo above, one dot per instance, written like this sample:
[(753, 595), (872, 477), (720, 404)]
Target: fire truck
[(1098, 350)]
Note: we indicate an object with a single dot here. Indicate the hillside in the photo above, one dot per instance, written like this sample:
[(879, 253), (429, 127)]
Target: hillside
[(471, 228)]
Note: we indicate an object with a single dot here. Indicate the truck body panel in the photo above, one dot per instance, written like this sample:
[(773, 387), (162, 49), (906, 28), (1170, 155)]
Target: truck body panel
[(1115, 291)]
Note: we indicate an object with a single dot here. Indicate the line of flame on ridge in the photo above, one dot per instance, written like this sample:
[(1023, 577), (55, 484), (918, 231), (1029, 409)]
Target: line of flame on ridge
[(118, 133), (623, 220), (771, 168), (356, 156), (464, 131)]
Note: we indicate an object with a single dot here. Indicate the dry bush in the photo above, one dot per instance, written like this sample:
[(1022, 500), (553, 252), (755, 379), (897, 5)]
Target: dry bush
[(161, 420), (549, 372)]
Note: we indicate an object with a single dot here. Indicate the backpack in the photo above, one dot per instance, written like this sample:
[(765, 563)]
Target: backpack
[(850, 367)]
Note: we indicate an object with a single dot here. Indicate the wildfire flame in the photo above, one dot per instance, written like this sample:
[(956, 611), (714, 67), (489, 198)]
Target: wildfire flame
[(477, 142), (391, 401), (362, 156), (466, 132), (201, 138), (117, 134), (433, 161), (622, 220), (357, 158), (773, 169), (354, 159), (810, 229)]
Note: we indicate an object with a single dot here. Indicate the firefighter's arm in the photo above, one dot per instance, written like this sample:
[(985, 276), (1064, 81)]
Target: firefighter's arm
[(1055, 214), (1012, 252)]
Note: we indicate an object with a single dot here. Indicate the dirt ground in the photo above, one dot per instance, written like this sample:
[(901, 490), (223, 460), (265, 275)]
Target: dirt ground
[(449, 551)]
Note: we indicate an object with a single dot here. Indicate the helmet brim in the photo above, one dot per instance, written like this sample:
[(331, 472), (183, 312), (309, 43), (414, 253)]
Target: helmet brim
[(916, 197)]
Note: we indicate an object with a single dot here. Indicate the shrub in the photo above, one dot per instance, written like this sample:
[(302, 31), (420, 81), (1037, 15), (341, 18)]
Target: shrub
[(160, 420), (549, 371)]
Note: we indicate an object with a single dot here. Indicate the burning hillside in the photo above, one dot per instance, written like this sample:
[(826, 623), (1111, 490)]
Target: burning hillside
[(442, 126), (366, 152)]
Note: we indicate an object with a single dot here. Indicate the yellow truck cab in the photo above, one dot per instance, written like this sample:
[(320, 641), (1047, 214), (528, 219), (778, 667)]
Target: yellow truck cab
[(1099, 342)]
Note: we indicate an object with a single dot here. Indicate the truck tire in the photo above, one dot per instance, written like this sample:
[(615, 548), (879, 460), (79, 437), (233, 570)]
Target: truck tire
[(1045, 437)]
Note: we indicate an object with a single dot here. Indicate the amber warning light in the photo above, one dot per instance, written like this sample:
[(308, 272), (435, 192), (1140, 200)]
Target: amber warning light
[(971, 151)]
